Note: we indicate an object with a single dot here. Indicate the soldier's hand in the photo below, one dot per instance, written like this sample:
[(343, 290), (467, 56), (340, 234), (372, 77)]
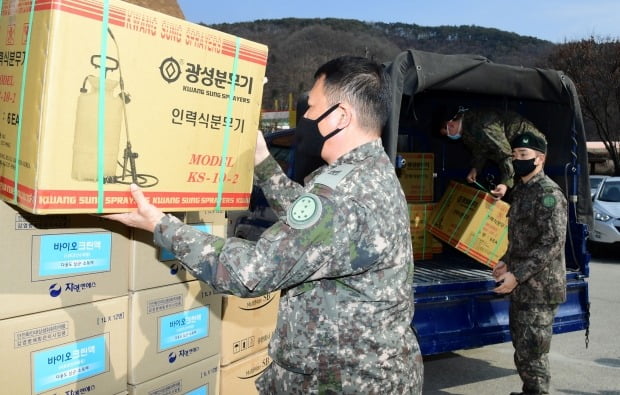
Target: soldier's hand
[(499, 191), (146, 216), (506, 283), (471, 177), (499, 269)]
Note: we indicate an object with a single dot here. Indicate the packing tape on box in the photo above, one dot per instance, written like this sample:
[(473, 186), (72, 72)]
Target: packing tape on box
[(101, 109), (18, 142), (229, 109), (479, 231)]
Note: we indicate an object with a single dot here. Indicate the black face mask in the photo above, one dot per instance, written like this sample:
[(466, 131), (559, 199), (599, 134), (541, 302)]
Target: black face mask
[(523, 167), (309, 139)]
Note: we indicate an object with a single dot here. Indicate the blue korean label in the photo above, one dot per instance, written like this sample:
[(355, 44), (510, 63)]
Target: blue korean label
[(69, 363), (165, 255), (69, 254), (204, 390), (184, 327)]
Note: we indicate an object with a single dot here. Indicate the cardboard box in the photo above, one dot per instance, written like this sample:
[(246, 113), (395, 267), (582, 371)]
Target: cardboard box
[(247, 325), (473, 222), (201, 377), (172, 327), (143, 97), (240, 377), (423, 241), (160, 264), (75, 350), (416, 177), (53, 261)]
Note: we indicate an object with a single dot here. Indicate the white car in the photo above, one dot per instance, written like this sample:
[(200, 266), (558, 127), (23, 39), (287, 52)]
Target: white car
[(606, 210), (595, 181)]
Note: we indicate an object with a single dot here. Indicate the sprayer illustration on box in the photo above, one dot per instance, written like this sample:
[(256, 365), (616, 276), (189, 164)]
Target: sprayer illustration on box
[(85, 141)]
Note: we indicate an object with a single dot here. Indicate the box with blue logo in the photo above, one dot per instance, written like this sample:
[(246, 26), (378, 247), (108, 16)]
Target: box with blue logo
[(75, 350), (200, 378), (97, 95), (172, 327), (54, 261)]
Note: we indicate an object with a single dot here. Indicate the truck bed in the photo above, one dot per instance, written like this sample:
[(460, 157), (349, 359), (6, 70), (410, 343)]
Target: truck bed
[(456, 271)]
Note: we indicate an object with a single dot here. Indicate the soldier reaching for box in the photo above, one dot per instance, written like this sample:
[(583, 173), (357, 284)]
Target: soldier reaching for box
[(341, 252), (487, 134)]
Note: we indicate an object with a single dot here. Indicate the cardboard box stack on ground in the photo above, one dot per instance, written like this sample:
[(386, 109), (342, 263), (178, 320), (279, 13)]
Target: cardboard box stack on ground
[(247, 325), (240, 376), (417, 175), (473, 222), (54, 261), (74, 350), (92, 104)]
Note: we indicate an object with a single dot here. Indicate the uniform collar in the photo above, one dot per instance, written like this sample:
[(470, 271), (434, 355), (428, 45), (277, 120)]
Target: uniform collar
[(360, 153)]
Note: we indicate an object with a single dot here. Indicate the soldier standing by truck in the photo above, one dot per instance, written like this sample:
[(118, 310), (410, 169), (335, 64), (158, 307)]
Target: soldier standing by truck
[(533, 270)]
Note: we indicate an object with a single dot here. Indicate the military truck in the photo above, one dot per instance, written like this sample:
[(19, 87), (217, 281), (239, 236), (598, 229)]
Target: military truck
[(455, 306)]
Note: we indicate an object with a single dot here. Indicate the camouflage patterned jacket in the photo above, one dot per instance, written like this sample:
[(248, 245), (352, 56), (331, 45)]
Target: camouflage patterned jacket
[(487, 134), (536, 238), (342, 255)]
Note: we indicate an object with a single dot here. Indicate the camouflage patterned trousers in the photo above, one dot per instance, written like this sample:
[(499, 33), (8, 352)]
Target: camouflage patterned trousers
[(531, 328), (277, 380)]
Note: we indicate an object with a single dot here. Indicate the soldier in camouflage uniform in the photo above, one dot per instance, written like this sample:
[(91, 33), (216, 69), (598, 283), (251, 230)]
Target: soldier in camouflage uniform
[(487, 134), (341, 252), (533, 269)]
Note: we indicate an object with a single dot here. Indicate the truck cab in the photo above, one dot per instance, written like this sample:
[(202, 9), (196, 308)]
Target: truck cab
[(455, 306)]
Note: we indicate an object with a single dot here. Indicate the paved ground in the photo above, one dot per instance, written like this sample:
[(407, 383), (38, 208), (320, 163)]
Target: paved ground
[(575, 369)]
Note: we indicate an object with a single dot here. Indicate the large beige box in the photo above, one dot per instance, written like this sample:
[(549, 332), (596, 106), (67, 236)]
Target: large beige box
[(200, 378), (75, 350), (240, 377), (473, 222), (160, 264), (53, 261), (91, 104), (247, 325), (172, 327)]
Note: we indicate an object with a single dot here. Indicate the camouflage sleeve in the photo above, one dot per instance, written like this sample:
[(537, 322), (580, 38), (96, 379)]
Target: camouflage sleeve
[(279, 190), (551, 213), (284, 256), (496, 142)]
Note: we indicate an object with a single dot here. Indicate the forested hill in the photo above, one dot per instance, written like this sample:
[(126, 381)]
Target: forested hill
[(298, 46)]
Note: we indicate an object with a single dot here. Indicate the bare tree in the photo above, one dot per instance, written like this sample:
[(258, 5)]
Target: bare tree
[(594, 66)]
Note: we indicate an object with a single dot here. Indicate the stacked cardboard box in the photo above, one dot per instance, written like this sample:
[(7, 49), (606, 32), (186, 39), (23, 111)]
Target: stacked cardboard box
[(473, 222), (148, 98), (417, 175), (425, 245), (240, 376), (247, 327), (417, 180), (74, 350), (58, 261), (171, 327)]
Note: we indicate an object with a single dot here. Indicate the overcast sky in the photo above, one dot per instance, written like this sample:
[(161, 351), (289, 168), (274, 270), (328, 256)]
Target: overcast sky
[(553, 20)]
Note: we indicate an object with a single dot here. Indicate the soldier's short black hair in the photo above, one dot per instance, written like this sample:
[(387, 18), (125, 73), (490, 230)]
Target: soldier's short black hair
[(361, 82)]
